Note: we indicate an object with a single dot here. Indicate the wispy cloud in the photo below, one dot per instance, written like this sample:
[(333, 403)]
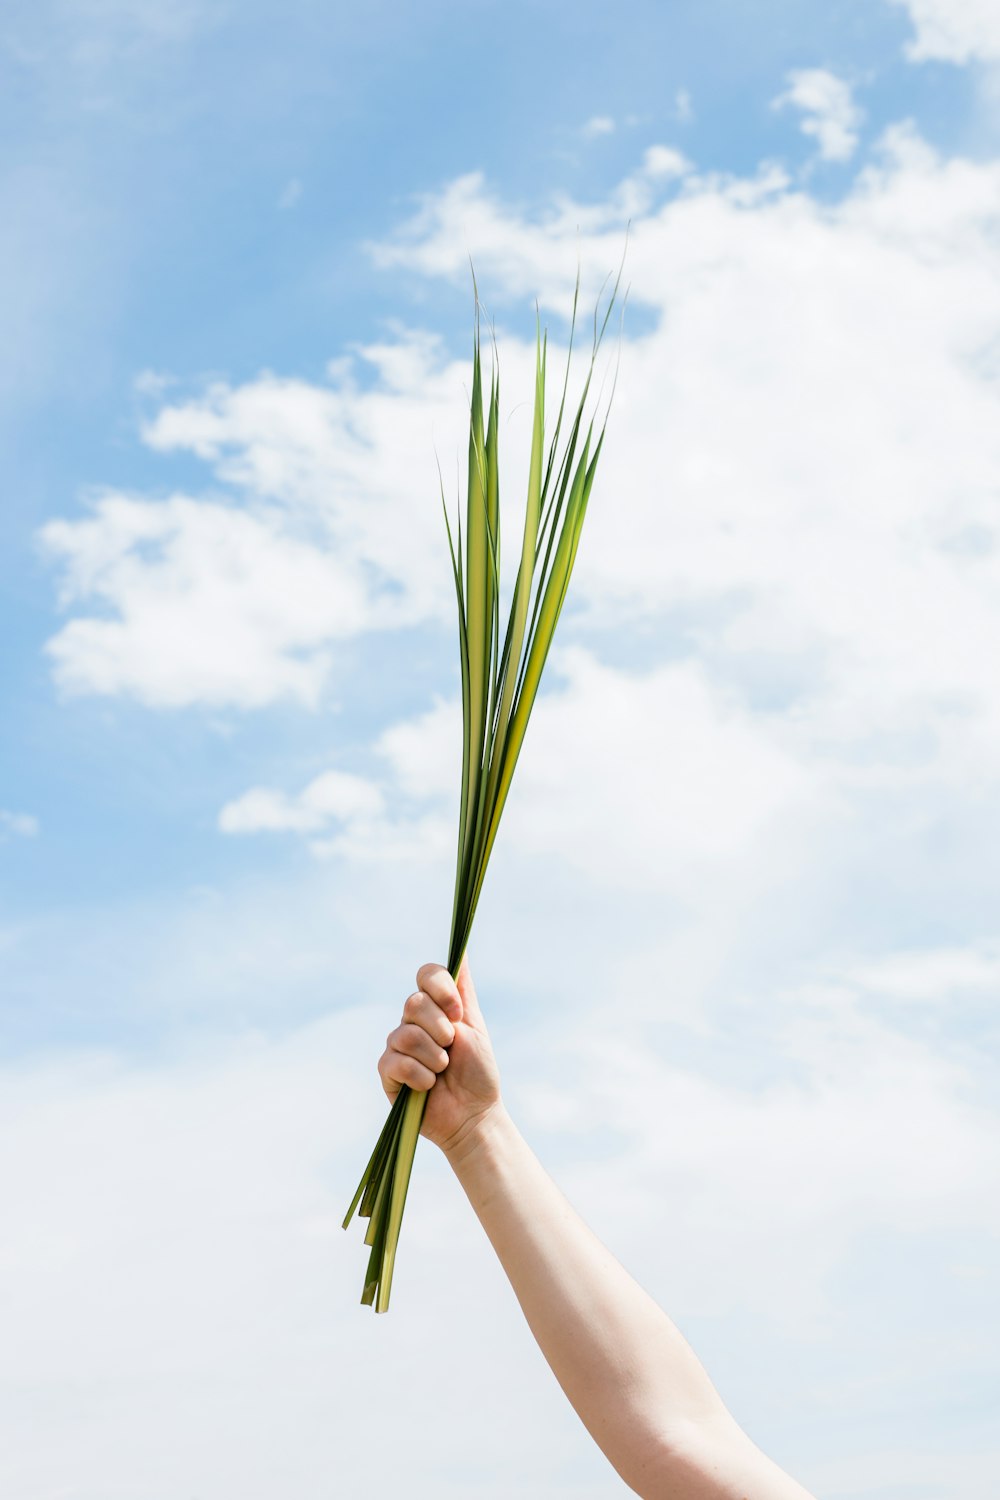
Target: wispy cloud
[(599, 125), (333, 797), (830, 114), (404, 813), (20, 825)]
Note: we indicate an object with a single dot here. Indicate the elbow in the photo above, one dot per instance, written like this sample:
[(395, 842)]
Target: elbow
[(650, 1469), (652, 1457), (674, 1459)]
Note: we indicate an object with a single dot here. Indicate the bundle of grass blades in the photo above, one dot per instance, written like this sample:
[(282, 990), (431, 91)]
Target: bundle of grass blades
[(500, 679)]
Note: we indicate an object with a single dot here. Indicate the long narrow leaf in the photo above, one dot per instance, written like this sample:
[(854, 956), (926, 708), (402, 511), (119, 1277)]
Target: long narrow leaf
[(478, 612), (522, 594), (501, 670)]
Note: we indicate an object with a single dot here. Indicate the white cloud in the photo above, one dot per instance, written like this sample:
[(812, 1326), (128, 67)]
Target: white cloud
[(831, 116), (424, 755), (799, 486), (238, 602), (801, 465), (151, 1205), (335, 796), (655, 777), (852, 1104), (466, 218), (664, 162), (22, 825), (205, 604), (408, 817), (605, 781), (599, 125), (933, 975), (957, 31)]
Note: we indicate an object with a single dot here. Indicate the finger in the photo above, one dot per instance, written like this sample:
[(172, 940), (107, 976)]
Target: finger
[(413, 1041), (395, 1069), (470, 1000), (390, 1085), (435, 981), (421, 1010)]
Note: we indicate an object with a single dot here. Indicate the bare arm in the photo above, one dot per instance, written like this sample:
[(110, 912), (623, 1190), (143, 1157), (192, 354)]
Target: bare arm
[(630, 1375)]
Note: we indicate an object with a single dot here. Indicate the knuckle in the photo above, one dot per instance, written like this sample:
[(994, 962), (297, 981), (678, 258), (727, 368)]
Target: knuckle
[(417, 1075), (389, 1071), (411, 1006)]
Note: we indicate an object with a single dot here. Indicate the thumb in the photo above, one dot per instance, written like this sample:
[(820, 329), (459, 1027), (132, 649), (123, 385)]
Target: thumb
[(471, 1012)]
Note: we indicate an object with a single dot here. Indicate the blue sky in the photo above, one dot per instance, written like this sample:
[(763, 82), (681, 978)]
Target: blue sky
[(195, 197), (740, 949)]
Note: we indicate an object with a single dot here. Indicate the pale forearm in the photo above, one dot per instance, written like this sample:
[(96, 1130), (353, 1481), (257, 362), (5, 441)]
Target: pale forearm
[(632, 1378), (629, 1373)]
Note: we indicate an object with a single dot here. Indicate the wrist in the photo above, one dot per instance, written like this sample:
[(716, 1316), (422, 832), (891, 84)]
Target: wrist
[(474, 1138)]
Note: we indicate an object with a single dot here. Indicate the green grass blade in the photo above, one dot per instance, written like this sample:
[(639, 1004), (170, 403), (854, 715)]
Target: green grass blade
[(370, 1201), (554, 447), (551, 606), (478, 605), (408, 1137), (372, 1171), (463, 645), (522, 593), (373, 1272), (362, 1185)]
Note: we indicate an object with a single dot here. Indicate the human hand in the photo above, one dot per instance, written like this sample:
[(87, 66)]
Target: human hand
[(463, 1083)]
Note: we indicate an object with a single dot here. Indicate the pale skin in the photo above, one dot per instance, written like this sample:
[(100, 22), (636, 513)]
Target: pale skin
[(634, 1381)]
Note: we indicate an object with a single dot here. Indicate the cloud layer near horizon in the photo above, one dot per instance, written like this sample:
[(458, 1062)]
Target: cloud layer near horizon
[(179, 1193)]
